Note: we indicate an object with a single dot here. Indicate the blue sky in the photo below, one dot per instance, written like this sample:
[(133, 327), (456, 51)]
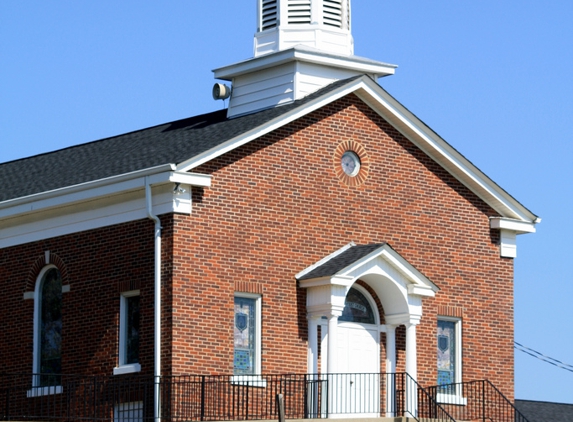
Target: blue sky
[(493, 78)]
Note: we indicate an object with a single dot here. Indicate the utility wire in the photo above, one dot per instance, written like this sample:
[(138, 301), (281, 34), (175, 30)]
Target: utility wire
[(542, 357)]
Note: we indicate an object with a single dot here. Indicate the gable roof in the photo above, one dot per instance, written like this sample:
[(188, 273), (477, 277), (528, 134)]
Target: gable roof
[(188, 143), (540, 411)]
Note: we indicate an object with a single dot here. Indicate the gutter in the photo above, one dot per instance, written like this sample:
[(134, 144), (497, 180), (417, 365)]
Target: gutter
[(157, 302)]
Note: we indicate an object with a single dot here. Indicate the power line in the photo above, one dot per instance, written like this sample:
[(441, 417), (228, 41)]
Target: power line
[(542, 357)]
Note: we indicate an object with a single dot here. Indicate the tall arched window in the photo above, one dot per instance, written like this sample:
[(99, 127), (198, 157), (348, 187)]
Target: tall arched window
[(48, 328)]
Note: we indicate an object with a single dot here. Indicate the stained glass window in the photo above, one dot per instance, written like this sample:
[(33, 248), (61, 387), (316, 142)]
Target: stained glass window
[(245, 331), (50, 345), (357, 308), (446, 352)]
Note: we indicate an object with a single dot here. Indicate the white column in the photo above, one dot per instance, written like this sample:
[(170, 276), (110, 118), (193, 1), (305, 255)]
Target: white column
[(390, 371), (312, 364), (411, 352), (411, 369), (332, 342), (390, 349)]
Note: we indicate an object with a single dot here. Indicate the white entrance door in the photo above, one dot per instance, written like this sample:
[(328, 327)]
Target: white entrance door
[(356, 387)]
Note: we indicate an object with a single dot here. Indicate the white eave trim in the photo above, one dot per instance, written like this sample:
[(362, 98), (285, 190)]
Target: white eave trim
[(99, 188), (510, 224)]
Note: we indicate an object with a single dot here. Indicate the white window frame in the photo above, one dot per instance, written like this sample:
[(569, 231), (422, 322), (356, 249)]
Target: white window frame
[(38, 390), (254, 379), (122, 367), (456, 397)]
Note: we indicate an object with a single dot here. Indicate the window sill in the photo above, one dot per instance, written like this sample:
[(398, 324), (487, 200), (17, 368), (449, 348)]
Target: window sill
[(44, 391), (249, 380), (454, 399), (127, 369)]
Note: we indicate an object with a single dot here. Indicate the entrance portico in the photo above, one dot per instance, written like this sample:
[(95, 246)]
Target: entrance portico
[(399, 286)]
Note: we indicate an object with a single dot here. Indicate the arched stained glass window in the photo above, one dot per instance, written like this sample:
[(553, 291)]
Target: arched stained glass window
[(357, 308), (49, 328)]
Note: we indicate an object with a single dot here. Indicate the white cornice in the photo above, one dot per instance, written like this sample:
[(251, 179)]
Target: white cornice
[(336, 280), (90, 191), (510, 224), (309, 55), (96, 204)]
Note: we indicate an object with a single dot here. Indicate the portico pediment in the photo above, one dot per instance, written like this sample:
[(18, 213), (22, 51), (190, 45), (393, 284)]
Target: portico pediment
[(352, 262)]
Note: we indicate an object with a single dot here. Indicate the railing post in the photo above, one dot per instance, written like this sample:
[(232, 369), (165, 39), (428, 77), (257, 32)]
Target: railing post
[(391, 395), (202, 397), (281, 407), (483, 400), (94, 396), (305, 399), (7, 411), (247, 402)]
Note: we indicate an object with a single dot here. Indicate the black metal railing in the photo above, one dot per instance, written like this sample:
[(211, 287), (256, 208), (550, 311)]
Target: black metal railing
[(226, 397), (476, 401)]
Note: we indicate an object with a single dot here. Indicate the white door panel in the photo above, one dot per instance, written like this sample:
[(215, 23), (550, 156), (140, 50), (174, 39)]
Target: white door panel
[(358, 352)]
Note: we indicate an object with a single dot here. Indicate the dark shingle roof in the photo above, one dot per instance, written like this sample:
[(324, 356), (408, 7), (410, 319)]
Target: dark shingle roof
[(173, 142), (341, 261), (540, 411)]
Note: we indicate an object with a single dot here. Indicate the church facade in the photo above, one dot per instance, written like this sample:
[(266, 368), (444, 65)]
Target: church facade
[(316, 226)]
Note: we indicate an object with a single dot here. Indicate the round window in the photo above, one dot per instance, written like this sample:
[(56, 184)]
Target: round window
[(350, 163)]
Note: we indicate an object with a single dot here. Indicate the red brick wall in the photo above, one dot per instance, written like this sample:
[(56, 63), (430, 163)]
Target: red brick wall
[(97, 265), (277, 206)]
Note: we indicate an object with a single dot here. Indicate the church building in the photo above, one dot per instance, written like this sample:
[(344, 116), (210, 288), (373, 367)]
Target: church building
[(315, 234)]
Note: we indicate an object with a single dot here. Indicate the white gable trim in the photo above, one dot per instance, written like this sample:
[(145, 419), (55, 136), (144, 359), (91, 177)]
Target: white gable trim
[(262, 130), (443, 153), (410, 126)]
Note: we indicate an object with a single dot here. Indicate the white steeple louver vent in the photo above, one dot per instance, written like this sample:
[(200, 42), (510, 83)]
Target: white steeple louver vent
[(334, 13), (299, 12), (269, 14)]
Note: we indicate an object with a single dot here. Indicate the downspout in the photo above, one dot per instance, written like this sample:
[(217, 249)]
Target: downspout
[(157, 303)]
